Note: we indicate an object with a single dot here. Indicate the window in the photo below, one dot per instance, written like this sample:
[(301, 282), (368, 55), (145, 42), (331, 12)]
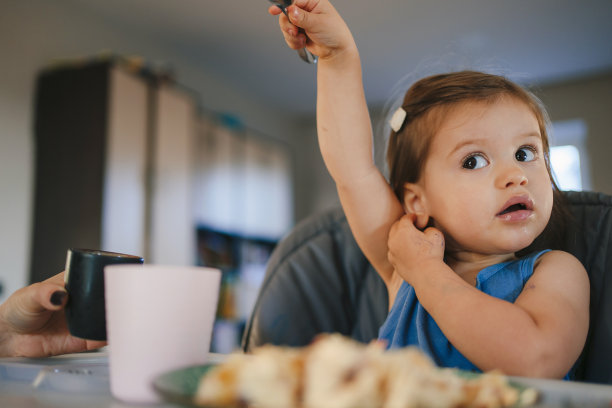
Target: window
[(568, 155)]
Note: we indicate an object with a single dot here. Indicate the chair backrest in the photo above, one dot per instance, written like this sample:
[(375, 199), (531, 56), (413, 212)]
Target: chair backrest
[(590, 240), (318, 281)]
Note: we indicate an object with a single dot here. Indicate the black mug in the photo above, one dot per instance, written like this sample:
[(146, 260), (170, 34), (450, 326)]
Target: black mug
[(84, 280)]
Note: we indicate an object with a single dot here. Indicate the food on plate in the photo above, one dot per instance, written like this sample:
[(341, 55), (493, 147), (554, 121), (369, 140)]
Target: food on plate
[(337, 372), (271, 377)]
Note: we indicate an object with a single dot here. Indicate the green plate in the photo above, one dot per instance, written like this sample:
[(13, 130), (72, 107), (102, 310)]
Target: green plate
[(179, 386)]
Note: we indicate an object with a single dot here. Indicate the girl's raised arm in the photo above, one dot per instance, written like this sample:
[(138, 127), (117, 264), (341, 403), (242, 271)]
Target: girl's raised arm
[(344, 129)]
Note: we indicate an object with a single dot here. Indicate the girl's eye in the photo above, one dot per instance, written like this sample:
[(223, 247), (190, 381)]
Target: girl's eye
[(525, 154), (474, 162)]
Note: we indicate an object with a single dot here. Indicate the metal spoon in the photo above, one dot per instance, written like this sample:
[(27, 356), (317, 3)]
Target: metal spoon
[(303, 52)]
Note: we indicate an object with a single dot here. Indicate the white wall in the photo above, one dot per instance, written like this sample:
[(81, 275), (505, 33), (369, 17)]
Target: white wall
[(590, 100), (33, 33)]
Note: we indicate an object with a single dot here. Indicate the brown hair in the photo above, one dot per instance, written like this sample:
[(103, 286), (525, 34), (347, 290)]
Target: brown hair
[(426, 104)]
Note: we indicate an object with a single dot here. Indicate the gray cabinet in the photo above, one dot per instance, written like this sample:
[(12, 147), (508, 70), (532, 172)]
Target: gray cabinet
[(112, 167)]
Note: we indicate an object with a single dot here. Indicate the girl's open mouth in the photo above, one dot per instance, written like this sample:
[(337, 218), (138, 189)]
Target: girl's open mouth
[(516, 209), (512, 208)]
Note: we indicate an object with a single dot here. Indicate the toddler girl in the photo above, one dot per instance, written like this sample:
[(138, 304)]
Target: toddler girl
[(469, 187)]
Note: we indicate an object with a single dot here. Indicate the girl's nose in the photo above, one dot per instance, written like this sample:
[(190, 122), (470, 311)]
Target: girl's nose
[(511, 175)]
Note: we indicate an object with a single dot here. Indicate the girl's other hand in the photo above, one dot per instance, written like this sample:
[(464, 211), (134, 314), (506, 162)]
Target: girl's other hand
[(323, 32), (412, 251)]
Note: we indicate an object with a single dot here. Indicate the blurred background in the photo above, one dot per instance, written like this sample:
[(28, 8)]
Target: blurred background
[(184, 130)]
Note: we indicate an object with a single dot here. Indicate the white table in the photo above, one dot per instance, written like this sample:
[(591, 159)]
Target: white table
[(81, 380), (71, 380), (67, 381), (566, 394)]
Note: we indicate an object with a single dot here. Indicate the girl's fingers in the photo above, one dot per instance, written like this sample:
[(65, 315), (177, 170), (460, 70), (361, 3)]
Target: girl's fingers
[(274, 10), (293, 37), (410, 217), (287, 27), (307, 5), (436, 238)]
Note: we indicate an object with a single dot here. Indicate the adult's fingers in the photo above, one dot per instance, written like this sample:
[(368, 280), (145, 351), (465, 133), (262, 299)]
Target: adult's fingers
[(49, 294), (57, 279), (93, 344), (46, 295), (52, 293)]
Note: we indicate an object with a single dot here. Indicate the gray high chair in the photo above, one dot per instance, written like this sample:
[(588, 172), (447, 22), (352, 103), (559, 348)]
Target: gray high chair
[(318, 281)]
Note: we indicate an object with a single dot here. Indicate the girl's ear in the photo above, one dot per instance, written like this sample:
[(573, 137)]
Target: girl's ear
[(415, 203)]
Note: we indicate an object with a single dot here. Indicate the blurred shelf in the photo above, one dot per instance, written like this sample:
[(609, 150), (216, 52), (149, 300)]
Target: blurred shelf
[(243, 260)]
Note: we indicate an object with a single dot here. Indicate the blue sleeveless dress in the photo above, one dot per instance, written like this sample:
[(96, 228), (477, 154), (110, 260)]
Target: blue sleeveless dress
[(408, 323)]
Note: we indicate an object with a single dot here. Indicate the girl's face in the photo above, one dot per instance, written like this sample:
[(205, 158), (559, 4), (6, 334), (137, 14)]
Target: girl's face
[(485, 182)]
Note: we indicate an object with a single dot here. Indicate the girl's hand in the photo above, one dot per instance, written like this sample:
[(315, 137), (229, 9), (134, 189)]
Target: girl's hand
[(412, 251), (32, 322), (323, 33)]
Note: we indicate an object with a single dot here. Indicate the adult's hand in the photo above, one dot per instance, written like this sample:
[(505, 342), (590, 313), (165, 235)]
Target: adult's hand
[(32, 322)]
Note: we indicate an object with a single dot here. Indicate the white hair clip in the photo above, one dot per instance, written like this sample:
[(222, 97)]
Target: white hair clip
[(397, 120)]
